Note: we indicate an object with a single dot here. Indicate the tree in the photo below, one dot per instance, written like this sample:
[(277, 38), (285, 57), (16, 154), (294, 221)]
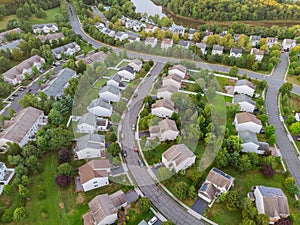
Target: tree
[(232, 200), (163, 174), (64, 169), (20, 214), (233, 144), (112, 137), (269, 130), (195, 176), (272, 139), (81, 66), (55, 117), (192, 192), (63, 156), (181, 190), (144, 204), (233, 71), (114, 149), (283, 222), (244, 163), (233, 109), (286, 89), (295, 128), (115, 117), (290, 186), (23, 191), (262, 219), (63, 180), (267, 170)]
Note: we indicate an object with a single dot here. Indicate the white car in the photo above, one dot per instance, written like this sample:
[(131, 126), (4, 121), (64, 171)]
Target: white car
[(152, 221)]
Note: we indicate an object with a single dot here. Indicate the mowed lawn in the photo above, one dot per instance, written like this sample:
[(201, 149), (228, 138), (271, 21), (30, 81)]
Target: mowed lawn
[(4, 21)]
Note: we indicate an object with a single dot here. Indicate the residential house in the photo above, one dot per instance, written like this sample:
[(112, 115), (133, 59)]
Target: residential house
[(90, 146), (94, 174), (178, 157), (236, 52), (254, 40), (45, 28), (223, 33), (163, 108), (11, 45), (51, 37), (57, 86), (104, 209), (297, 117), (250, 143), (102, 124), (217, 50), (245, 102), (68, 50), (99, 107), (172, 80), (288, 44), (244, 87), (136, 64), (247, 121), (259, 54), (217, 182), (22, 127), (166, 130), (191, 33), (116, 80), (94, 57), (16, 74), (166, 92), (150, 28), (166, 43), (127, 72), (134, 25), (132, 37), (206, 35), (121, 36), (100, 25), (185, 44), (3, 34), (236, 37), (175, 29), (110, 93), (272, 41), (107, 31), (179, 70), (87, 124), (202, 47), (6, 174), (151, 41), (272, 202)]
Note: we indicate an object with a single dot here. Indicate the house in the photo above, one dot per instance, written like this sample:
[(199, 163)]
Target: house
[(272, 202), (99, 107), (3, 34), (259, 54), (104, 209), (288, 44), (121, 36), (16, 74), (166, 130), (87, 124), (102, 124), (191, 33), (150, 28), (127, 72), (217, 182), (136, 64), (163, 108), (223, 33), (217, 50), (60, 83), (236, 37), (178, 157), (166, 43), (11, 45), (297, 117), (236, 52), (45, 28), (254, 40), (250, 143), (206, 35), (90, 146), (175, 29), (68, 50), (185, 44), (107, 31), (132, 37), (22, 127), (179, 70), (51, 37), (151, 41), (134, 25), (247, 121), (6, 175), (94, 57), (202, 47), (172, 80), (116, 80), (244, 87), (100, 25), (245, 102), (272, 41), (94, 174), (110, 93), (166, 92)]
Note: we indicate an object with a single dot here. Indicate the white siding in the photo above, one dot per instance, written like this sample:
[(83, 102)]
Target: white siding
[(162, 112), (244, 89), (95, 183)]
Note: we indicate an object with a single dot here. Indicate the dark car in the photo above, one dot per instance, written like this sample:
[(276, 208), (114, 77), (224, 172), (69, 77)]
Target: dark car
[(125, 153), (29, 90), (141, 163), (11, 99), (14, 95)]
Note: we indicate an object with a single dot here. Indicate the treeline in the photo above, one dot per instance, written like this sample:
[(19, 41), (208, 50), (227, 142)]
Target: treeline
[(232, 10), (294, 68)]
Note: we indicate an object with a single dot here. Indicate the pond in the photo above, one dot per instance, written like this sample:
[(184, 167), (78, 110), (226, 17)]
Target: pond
[(147, 6)]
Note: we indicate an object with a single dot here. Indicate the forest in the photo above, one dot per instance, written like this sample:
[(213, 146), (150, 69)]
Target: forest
[(233, 10)]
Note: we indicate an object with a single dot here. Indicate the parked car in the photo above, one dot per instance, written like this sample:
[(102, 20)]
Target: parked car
[(125, 153), (11, 99), (141, 163), (133, 127), (152, 221), (56, 63), (14, 95), (135, 95), (135, 149), (22, 88)]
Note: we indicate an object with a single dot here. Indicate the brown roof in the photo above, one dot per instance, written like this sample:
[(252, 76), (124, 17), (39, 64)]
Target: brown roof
[(167, 41), (88, 219), (98, 56), (118, 198), (168, 88), (178, 153), (166, 103), (173, 77), (245, 117), (219, 178), (20, 124), (17, 30), (209, 191), (179, 67), (245, 82), (154, 129), (150, 39), (93, 169), (166, 125), (256, 51), (51, 37)]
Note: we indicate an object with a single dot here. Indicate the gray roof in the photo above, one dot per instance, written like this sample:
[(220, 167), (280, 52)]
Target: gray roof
[(218, 47), (143, 222), (63, 48), (183, 43), (110, 88), (243, 98), (116, 77), (57, 85), (128, 68), (88, 118), (101, 103), (236, 50), (255, 38), (176, 29), (11, 45), (90, 141), (43, 25), (248, 136), (192, 31)]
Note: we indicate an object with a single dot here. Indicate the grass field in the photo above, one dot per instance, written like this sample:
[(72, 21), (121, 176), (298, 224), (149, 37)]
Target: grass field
[(293, 79), (4, 21), (100, 83)]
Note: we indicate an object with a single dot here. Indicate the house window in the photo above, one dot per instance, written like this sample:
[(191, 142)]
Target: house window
[(96, 185), (95, 182)]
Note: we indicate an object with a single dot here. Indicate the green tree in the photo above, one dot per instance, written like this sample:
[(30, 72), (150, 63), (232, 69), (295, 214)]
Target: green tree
[(269, 130), (55, 117), (232, 200), (244, 163), (20, 214), (192, 193), (295, 128), (64, 169), (181, 190), (163, 174), (233, 71), (115, 117), (286, 89), (114, 149), (144, 204), (262, 219), (23, 191)]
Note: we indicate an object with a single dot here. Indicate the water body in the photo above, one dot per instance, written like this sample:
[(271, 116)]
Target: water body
[(147, 6)]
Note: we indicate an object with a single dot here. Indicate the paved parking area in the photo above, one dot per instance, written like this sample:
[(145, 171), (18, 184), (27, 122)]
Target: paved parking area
[(199, 206)]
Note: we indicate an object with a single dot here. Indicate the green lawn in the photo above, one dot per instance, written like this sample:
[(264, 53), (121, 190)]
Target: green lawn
[(4, 21), (83, 101), (293, 79), (223, 82), (124, 63), (100, 83), (135, 216), (154, 155), (110, 72), (85, 48)]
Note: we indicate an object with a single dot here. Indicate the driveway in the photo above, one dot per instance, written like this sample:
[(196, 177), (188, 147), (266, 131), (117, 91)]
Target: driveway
[(200, 206)]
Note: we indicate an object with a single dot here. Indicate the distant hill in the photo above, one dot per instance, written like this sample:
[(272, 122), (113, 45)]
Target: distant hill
[(232, 10)]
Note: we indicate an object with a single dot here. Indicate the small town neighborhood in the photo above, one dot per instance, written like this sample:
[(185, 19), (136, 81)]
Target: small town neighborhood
[(111, 116)]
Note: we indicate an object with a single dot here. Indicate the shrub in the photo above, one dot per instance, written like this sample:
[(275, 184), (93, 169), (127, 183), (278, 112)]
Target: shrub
[(63, 156), (267, 170), (63, 180)]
